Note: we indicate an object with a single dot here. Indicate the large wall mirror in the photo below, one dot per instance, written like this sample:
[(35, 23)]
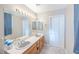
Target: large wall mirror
[(16, 25), (37, 25), (33, 25)]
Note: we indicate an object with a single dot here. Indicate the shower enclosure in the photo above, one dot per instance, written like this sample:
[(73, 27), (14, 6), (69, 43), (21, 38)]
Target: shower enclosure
[(56, 31)]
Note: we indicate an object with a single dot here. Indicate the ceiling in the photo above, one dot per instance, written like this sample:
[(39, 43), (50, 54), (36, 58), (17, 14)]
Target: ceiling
[(39, 8)]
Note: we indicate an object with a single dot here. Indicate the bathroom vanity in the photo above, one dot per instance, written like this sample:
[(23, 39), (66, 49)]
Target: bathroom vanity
[(34, 47)]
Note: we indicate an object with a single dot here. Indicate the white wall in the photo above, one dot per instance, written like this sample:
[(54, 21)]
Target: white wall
[(1, 31), (44, 17), (69, 16), (70, 28)]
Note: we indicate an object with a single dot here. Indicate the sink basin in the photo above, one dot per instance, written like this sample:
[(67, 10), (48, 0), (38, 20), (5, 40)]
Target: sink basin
[(22, 44), (37, 34)]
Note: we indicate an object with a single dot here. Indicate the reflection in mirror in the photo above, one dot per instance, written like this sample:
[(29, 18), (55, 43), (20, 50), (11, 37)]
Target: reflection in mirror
[(37, 27), (7, 24), (26, 26), (33, 25), (40, 26)]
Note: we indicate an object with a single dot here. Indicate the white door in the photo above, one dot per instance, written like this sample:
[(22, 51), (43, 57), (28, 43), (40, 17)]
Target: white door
[(56, 31)]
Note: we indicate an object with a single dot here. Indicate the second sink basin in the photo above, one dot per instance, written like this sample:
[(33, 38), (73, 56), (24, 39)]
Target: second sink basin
[(22, 44)]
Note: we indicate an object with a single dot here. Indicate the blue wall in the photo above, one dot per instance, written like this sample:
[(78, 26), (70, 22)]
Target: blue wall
[(7, 24), (76, 28)]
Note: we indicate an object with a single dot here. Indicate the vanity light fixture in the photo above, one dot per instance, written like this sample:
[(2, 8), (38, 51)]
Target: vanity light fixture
[(27, 12), (17, 10)]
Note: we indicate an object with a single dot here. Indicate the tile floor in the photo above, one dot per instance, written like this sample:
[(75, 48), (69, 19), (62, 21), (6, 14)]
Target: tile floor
[(52, 50)]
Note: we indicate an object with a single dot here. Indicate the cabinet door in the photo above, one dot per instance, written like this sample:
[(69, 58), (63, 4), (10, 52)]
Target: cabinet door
[(41, 43), (38, 46), (31, 50), (34, 51)]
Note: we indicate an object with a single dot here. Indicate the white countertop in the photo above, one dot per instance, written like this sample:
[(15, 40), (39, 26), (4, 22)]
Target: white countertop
[(14, 49)]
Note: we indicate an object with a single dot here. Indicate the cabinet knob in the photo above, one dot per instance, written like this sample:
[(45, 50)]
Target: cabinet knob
[(37, 48)]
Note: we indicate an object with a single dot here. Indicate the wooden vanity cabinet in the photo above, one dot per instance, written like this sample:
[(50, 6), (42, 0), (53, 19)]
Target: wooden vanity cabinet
[(31, 50), (36, 47)]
